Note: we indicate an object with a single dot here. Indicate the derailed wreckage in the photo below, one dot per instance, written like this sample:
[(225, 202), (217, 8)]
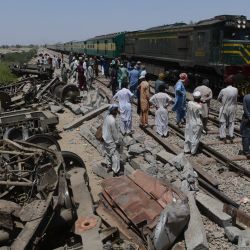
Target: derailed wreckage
[(36, 199), (43, 71), (147, 211), (45, 203), (22, 124), (32, 92)]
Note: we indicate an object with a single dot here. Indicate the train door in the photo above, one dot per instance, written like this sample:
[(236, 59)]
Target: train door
[(215, 46), (201, 47), (183, 45)]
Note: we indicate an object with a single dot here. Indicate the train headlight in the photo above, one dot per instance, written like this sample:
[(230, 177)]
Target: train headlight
[(243, 26), (239, 21), (244, 21), (238, 26)]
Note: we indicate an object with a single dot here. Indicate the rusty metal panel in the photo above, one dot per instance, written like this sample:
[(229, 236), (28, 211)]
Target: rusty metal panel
[(136, 204), (139, 197), (162, 193)]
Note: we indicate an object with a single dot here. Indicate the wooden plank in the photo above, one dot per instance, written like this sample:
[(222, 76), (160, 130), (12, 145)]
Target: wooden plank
[(171, 148), (239, 158), (217, 142), (86, 117)]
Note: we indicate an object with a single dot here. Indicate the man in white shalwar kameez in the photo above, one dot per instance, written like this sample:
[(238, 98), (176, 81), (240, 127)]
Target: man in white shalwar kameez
[(110, 135), (228, 98), (124, 97), (161, 100), (193, 129)]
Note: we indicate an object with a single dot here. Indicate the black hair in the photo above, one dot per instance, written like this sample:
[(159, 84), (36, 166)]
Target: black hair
[(124, 85), (161, 88)]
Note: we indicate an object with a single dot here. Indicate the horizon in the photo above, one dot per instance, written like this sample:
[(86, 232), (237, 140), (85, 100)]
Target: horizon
[(50, 22)]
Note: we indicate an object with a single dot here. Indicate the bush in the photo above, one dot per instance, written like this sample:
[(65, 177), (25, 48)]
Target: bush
[(6, 76), (19, 57)]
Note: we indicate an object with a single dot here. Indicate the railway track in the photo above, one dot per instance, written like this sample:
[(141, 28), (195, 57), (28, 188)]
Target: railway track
[(213, 113), (208, 147), (214, 178), (207, 180)]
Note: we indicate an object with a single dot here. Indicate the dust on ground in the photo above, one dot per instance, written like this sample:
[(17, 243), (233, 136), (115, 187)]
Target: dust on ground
[(74, 142)]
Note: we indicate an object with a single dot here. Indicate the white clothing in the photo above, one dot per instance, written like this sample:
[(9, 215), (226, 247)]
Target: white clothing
[(110, 135), (110, 131), (193, 128), (124, 97), (89, 76), (206, 96), (84, 65), (228, 98), (161, 101), (112, 156), (143, 73)]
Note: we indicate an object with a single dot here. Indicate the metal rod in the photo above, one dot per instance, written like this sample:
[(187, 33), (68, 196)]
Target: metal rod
[(16, 183)]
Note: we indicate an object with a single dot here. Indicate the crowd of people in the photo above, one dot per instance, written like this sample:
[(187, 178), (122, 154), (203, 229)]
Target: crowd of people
[(129, 81), (192, 115)]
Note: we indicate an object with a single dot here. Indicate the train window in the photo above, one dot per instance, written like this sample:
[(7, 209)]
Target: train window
[(201, 39), (183, 42)]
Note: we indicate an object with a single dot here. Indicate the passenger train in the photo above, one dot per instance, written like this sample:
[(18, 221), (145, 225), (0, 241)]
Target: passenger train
[(214, 48)]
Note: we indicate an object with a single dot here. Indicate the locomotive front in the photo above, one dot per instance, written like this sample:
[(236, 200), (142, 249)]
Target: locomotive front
[(236, 52)]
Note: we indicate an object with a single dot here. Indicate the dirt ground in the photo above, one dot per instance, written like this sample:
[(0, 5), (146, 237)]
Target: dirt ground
[(74, 142)]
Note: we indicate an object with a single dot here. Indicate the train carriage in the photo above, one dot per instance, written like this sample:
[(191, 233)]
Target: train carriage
[(78, 47), (213, 48), (109, 46)]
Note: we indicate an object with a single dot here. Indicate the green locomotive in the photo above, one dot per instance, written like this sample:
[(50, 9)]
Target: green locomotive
[(213, 48)]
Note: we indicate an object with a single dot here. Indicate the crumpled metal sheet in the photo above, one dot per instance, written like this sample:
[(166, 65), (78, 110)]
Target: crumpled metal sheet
[(140, 198)]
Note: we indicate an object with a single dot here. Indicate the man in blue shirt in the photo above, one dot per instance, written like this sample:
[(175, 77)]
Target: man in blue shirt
[(133, 79), (180, 99)]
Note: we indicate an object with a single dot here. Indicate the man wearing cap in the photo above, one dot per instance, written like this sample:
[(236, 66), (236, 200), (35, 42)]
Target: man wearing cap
[(245, 126), (161, 100), (206, 96), (133, 79), (228, 98), (180, 99), (110, 135), (193, 127), (124, 97)]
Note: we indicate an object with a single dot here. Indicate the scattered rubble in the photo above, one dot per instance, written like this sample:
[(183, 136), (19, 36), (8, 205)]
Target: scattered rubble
[(143, 155)]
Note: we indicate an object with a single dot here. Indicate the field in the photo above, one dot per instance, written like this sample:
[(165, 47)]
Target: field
[(13, 57)]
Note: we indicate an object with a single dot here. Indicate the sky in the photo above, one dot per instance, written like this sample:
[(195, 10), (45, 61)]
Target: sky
[(52, 21)]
